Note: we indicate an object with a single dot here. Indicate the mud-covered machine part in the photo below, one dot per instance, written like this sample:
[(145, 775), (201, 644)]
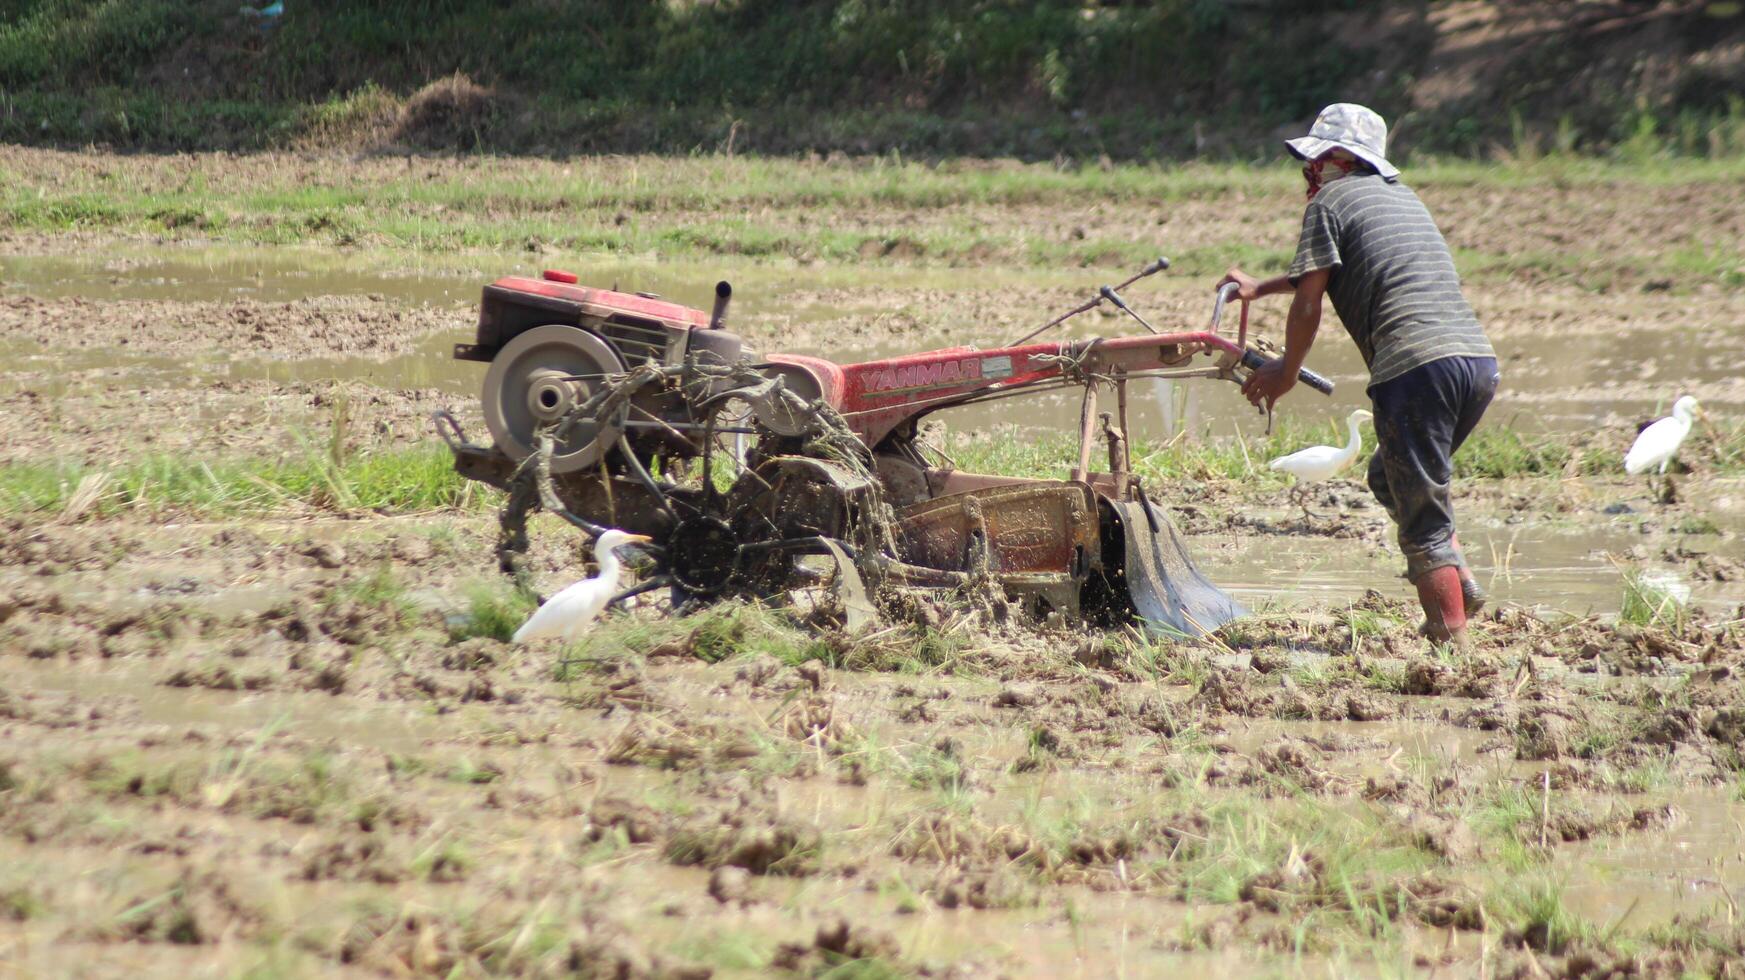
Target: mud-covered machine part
[(624, 410)]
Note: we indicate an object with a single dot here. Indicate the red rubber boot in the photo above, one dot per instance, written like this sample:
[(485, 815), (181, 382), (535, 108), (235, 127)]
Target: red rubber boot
[(1444, 605), (1469, 588)]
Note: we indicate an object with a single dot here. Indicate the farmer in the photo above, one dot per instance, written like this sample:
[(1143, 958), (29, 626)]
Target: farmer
[(1368, 242)]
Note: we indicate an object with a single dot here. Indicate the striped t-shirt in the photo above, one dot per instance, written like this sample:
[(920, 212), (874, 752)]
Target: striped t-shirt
[(1393, 279)]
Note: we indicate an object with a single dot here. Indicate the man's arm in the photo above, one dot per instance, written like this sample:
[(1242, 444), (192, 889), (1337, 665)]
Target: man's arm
[(1250, 288), (1304, 319), (1269, 383)]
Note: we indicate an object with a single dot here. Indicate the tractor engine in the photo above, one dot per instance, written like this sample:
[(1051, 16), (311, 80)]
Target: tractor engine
[(623, 410)]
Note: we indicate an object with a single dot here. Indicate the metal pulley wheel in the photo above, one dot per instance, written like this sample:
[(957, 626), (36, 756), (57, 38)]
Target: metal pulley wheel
[(536, 379)]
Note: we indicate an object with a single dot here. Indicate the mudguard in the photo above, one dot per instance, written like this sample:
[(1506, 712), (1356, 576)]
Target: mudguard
[(1171, 597)]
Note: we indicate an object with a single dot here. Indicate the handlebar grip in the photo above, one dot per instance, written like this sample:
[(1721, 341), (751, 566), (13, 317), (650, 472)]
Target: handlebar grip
[(1252, 360), (1315, 381), (1226, 292)]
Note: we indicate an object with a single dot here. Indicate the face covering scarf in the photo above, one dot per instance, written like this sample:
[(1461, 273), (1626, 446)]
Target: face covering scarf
[(1325, 170)]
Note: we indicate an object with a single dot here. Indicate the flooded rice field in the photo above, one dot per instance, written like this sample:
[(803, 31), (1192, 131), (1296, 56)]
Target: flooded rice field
[(249, 340), (287, 739)]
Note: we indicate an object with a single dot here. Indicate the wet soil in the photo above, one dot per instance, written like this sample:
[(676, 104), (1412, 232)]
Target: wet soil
[(264, 745), (219, 746)]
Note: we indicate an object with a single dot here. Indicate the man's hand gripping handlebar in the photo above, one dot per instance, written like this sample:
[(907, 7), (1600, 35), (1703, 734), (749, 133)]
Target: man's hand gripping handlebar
[(1252, 356)]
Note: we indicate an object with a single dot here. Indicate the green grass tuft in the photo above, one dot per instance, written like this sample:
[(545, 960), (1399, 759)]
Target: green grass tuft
[(749, 629), (391, 481), (1494, 452), (1535, 912), (1653, 601), (494, 612), (378, 588)]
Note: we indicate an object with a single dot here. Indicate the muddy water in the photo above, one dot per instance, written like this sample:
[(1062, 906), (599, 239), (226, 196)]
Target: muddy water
[(1565, 567), (1582, 378), (1696, 866)]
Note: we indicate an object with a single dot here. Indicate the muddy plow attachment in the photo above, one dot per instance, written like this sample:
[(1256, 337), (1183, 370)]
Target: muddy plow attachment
[(762, 475), (1169, 593), (1060, 548)]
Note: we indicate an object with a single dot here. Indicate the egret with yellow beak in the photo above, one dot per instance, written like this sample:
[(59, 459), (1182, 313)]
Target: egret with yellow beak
[(564, 616), (1317, 463), (1658, 444)]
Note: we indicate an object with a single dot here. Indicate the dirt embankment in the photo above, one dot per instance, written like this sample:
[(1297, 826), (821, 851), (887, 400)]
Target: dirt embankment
[(1131, 80)]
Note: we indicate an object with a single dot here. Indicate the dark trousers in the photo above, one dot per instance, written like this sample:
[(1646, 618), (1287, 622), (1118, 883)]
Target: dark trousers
[(1421, 418)]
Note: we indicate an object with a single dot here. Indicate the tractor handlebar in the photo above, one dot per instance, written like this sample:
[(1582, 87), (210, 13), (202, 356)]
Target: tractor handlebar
[(1225, 292), (1252, 359)]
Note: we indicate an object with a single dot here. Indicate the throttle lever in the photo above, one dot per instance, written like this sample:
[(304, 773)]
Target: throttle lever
[(1108, 293)]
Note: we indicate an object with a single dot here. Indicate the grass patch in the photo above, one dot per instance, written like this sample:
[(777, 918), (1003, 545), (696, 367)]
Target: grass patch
[(1493, 452), (1300, 855), (19, 903), (1507, 817), (1701, 933), (729, 949), (937, 767), (391, 481), (446, 860), (1654, 600), (748, 629), (1696, 525), (1648, 777), (467, 772), (1534, 911), (752, 208), (494, 611), (379, 589), (1209, 457), (245, 781), (904, 649), (1168, 662), (719, 633), (1384, 677)]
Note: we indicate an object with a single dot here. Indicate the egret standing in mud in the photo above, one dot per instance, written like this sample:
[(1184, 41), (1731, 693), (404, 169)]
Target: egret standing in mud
[(566, 614), (1319, 463), (1657, 444)]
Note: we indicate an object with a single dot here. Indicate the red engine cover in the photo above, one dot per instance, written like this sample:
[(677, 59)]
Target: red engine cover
[(604, 302)]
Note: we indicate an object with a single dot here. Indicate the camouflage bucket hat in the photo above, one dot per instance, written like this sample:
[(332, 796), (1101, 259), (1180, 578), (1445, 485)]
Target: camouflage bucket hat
[(1350, 127)]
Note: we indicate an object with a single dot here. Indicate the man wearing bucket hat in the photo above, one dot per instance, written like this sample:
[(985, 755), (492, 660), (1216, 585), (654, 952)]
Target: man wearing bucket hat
[(1368, 242)]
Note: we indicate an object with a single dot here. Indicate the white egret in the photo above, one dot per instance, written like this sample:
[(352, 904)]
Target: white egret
[(1318, 463), (1659, 442), (566, 614)]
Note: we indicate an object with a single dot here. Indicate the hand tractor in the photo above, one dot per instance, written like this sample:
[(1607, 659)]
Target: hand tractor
[(617, 410)]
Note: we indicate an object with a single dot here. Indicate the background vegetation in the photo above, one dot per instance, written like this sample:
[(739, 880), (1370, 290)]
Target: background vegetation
[(1029, 78)]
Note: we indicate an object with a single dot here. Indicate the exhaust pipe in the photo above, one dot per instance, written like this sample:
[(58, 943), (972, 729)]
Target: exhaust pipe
[(723, 293)]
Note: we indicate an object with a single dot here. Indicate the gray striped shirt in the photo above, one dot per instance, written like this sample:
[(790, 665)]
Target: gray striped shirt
[(1393, 279)]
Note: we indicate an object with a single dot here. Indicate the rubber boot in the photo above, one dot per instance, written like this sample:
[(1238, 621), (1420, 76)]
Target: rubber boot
[(1471, 595), (1444, 605), (1470, 591)]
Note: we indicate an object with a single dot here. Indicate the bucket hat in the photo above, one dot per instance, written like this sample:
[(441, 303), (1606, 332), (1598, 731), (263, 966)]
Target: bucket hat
[(1350, 127)]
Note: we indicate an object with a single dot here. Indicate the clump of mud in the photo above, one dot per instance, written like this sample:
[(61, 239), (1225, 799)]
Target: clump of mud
[(453, 113)]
